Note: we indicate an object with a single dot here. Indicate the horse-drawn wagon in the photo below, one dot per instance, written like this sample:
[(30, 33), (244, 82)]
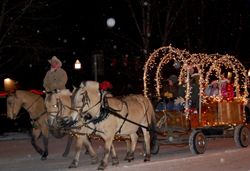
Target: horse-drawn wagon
[(210, 98)]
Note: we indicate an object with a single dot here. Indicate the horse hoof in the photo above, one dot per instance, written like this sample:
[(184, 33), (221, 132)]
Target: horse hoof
[(65, 155), (94, 160), (73, 164), (129, 157), (44, 158), (126, 158), (115, 161), (87, 152), (147, 158), (102, 166)]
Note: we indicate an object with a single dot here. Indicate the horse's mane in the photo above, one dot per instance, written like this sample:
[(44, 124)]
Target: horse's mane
[(27, 92), (90, 84)]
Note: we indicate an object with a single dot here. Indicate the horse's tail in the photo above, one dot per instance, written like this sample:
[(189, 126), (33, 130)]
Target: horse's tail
[(152, 129)]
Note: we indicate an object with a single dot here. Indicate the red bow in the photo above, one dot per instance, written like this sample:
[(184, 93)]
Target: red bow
[(105, 85)]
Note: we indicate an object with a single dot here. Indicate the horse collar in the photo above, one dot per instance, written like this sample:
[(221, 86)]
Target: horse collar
[(104, 112)]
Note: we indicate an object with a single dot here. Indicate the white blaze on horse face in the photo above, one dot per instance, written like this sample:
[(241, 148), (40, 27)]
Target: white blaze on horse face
[(74, 115), (52, 108), (13, 106)]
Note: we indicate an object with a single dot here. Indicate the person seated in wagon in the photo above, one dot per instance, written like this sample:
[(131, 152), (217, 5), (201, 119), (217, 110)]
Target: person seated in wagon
[(170, 92), (212, 89)]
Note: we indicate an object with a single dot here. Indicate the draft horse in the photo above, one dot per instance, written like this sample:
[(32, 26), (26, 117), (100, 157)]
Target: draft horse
[(58, 104), (34, 105), (111, 116)]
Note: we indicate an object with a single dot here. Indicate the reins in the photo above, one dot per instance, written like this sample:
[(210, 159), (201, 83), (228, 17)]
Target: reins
[(105, 110), (28, 108), (113, 112)]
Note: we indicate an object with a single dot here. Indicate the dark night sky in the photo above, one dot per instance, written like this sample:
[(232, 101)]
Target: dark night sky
[(76, 29)]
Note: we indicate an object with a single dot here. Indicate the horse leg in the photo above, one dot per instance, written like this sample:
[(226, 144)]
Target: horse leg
[(107, 147), (146, 136), (90, 150), (128, 145), (80, 140), (134, 138), (87, 152), (45, 152), (45, 133), (69, 142), (34, 138), (115, 160), (78, 147)]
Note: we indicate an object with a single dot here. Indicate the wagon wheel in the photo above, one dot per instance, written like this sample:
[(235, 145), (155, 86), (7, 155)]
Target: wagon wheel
[(154, 147), (197, 142), (241, 136)]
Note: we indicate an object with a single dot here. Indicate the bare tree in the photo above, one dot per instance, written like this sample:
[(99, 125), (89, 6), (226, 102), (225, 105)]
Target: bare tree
[(155, 21), (19, 31)]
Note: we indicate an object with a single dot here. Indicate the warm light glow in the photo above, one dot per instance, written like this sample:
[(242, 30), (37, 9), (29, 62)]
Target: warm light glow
[(209, 67), (9, 84), (78, 64)]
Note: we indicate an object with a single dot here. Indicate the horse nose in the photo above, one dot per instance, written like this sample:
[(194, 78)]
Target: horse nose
[(11, 116), (66, 122)]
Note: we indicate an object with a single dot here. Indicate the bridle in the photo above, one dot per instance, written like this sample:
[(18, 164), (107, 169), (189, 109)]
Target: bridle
[(14, 95), (86, 102), (60, 107)]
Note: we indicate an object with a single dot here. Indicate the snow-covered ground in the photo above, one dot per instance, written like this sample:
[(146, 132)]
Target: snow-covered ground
[(17, 154)]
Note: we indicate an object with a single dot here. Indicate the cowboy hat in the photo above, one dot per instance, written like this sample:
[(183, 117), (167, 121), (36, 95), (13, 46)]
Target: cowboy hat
[(54, 59)]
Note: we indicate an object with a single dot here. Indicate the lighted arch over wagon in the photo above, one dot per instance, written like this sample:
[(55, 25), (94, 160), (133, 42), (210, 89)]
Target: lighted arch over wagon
[(151, 67)]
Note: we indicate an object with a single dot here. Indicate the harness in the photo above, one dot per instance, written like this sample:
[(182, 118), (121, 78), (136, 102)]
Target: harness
[(33, 120), (105, 110), (59, 105)]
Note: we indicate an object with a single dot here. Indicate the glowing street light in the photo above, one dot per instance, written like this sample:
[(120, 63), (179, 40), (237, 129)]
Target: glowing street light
[(78, 64), (9, 84)]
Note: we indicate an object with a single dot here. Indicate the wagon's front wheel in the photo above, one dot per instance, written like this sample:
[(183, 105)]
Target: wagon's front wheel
[(155, 146), (241, 136), (197, 142)]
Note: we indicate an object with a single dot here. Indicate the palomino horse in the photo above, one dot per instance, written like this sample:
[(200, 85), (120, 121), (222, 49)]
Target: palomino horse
[(58, 104), (111, 116), (34, 105)]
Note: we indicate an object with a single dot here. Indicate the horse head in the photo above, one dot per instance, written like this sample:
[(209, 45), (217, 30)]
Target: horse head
[(86, 99), (14, 104), (58, 105)]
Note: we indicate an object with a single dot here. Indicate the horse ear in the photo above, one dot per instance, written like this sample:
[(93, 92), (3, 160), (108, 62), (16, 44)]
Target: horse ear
[(82, 84)]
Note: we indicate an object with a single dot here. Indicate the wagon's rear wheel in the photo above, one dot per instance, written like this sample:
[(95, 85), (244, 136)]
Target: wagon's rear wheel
[(154, 147), (154, 144), (241, 136), (197, 142)]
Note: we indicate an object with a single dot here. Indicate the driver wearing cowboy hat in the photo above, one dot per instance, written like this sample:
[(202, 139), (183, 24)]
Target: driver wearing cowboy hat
[(56, 77)]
